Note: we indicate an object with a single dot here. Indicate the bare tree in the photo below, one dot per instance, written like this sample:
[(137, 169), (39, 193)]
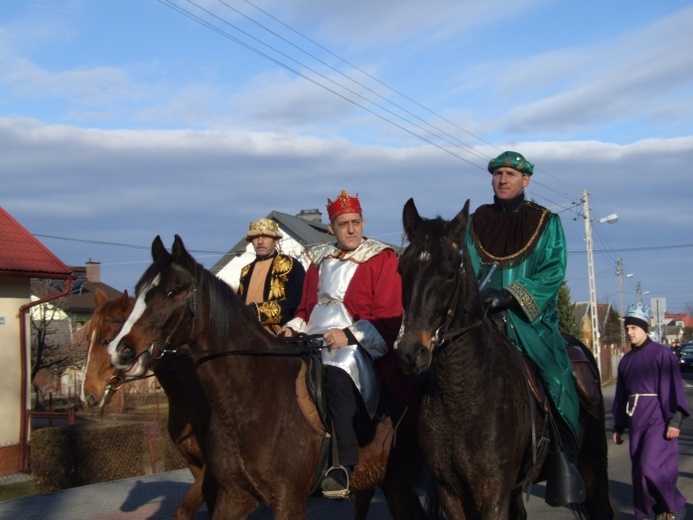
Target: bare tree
[(51, 345)]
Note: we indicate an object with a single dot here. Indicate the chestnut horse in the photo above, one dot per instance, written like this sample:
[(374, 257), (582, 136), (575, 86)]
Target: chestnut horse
[(259, 446), (188, 412), (476, 422)]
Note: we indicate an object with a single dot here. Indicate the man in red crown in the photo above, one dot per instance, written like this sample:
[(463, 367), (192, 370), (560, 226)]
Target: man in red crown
[(352, 295)]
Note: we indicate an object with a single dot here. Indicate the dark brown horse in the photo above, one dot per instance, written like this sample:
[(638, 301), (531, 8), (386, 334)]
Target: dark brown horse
[(260, 447), (476, 419), (188, 412)]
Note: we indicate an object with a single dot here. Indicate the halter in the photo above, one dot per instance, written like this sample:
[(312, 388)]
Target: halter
[(442, 335), (158, 349)]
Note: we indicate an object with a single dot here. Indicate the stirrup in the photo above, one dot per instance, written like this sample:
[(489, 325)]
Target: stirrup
[(339, 493)]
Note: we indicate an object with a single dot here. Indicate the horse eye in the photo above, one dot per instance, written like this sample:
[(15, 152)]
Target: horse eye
[(170, 294), (106, 342)]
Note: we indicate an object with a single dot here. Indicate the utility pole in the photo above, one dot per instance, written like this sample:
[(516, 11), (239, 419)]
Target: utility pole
[(619, 273), (596, 349)]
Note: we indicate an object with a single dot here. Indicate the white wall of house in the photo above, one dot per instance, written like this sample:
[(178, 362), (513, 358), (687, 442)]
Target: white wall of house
[(14, 292), (231, 272)]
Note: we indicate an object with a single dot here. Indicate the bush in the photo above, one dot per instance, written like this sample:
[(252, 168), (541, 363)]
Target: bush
[(87, 454)]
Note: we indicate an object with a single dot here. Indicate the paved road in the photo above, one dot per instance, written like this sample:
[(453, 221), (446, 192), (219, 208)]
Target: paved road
[(156, 497)]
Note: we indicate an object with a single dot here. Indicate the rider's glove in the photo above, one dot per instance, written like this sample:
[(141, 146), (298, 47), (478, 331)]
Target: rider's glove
[(496, 300)]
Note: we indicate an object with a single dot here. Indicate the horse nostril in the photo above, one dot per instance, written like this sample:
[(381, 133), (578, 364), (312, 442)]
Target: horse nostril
[(125, 351), (91, 400)]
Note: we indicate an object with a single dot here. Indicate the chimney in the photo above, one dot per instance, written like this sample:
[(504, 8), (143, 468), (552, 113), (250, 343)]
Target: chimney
[(310, 215), (93, 271)]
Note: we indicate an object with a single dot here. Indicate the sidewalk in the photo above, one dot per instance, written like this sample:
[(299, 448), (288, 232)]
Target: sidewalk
[(156, 497), (151, 497)]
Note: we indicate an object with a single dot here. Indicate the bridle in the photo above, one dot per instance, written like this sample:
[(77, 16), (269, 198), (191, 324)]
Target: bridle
[(443, 335), (156, 350)]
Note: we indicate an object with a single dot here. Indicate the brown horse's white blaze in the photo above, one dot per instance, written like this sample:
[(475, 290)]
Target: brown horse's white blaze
[(100, 377), (123, 355)]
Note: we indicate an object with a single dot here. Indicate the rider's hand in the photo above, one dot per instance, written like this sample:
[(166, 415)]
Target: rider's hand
[(286, 332), (497, 300)]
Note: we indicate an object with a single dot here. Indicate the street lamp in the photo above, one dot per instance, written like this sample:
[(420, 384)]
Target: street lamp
[(611, 219), (619, 273)]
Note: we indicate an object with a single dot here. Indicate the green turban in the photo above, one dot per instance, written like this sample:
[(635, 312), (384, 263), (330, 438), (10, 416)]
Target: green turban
[(512, 160)]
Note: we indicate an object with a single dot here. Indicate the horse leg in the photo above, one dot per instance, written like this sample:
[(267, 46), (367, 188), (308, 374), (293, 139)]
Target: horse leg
[(193, 499), (517, 506), (291, 507), (402, 502), (452, 505), (593, 466), (362, 503), (234, 505)]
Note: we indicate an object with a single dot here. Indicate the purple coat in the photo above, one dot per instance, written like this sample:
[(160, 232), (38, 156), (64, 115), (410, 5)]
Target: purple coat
[(649, 391)]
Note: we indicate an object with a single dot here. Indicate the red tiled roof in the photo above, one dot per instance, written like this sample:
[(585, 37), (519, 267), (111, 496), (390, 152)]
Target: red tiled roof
[(21, 254)]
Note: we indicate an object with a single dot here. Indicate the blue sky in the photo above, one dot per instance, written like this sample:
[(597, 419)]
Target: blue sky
[(120, 121)]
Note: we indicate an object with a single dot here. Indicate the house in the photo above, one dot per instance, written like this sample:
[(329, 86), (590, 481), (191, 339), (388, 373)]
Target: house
[(22, 257), (300, 231), (682, 327), (581, 311)]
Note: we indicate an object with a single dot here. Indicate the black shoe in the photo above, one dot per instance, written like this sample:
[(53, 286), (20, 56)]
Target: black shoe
[(335, 483)]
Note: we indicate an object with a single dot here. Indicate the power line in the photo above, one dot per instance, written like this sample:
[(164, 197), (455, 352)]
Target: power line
[(204, 251), (436, 134)]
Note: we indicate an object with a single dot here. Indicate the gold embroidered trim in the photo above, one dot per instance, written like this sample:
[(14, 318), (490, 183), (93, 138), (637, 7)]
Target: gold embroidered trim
[(526, 301), (530, 243)]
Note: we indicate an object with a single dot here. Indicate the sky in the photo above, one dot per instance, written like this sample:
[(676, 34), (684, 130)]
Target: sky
[(121, 121)]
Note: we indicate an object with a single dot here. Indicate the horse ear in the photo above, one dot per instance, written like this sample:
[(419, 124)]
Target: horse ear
[(459, 223), (181, 255), (158, 249), (410, 218), (124, 298), (100, 296)]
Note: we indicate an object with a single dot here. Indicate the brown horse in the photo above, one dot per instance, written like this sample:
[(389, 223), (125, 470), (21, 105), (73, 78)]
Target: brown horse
[(260, 447), (188, 414), (476, 425)]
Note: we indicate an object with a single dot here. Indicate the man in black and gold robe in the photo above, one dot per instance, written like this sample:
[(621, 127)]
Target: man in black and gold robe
[(271, 284)]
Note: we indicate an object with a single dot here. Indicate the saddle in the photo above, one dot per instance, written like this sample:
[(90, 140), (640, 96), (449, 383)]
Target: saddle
[(312, 401), (586, 381)]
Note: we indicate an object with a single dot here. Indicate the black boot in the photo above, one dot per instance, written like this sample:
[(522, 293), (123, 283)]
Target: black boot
[(564, 484)]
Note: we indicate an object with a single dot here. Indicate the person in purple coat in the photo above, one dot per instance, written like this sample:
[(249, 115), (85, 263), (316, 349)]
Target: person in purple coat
[(650, 401)]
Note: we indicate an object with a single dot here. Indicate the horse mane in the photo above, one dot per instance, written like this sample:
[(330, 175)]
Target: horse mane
[(225, 306)]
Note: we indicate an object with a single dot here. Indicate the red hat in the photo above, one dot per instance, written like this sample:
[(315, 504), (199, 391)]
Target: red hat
[(344, 203)]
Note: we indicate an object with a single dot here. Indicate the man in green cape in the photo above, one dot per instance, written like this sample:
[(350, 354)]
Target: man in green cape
[(525, 244)]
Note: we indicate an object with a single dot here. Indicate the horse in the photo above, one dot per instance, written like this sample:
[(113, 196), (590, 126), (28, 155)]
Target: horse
[(478, 418), (188, 411), (260, 447)]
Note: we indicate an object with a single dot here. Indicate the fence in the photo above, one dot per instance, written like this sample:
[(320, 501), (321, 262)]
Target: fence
[(149, 409)]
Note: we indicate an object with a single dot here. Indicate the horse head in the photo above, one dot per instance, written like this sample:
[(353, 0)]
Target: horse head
[(438, 285), (164, 311), (101, 378)]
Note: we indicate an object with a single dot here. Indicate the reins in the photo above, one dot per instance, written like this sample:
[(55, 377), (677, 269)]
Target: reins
[(308, 344)]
